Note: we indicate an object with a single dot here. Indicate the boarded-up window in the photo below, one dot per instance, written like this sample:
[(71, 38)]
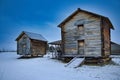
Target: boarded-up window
[(24, 40)]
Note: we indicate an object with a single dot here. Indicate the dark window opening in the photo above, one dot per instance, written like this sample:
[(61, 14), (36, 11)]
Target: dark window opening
[(80, 27)]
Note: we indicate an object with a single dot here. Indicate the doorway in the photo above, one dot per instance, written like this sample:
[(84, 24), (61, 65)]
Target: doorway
[(81, 45)]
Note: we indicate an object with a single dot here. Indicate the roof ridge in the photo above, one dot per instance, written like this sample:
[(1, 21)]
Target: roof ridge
[(32, 35), (78, 10), (31, 32)]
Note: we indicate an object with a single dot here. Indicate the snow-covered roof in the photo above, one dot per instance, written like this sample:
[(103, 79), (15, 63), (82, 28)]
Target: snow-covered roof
[(31, 35)]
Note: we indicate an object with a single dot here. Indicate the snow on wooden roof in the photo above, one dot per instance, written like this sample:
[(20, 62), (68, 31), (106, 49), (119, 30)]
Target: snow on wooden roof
[(34, 36)]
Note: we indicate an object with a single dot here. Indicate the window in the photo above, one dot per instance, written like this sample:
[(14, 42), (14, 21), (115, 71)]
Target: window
[(24, 39), (80, 27)]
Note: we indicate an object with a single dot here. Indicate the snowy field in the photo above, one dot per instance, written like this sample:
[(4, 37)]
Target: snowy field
[(12, 68)]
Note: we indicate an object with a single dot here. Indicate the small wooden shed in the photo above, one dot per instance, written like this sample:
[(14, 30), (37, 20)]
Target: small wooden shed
[(31, 44), (115, 48), (86, 34)]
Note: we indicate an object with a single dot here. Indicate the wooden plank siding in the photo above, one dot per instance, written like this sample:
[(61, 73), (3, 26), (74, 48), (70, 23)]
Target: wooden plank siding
[(87, 28), (24, 45), (86, 34), (91, 34), (106, 39), (31, 44), (38, 47)]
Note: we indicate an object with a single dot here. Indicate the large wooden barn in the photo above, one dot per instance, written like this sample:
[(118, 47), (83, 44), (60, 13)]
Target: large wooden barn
[(31, 44), (86, 34)]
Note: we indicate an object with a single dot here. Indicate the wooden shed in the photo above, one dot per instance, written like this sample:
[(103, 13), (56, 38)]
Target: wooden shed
[(86, 34), (115, 48), (31, 44)]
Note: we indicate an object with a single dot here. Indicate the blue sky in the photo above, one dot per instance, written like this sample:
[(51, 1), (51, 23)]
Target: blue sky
[(43, 16)]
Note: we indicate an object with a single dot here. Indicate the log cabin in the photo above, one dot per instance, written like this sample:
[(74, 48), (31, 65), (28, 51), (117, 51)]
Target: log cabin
[(31, 44), (86, 34)]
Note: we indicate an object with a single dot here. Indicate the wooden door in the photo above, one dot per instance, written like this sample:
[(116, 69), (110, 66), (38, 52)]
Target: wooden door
[(81, 47)]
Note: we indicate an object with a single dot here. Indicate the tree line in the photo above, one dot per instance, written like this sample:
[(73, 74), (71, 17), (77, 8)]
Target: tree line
[(5, 50)]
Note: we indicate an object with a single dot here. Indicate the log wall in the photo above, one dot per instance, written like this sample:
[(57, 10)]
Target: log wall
[(91, 34), (38, 47), (23, 45), (26, 46), (106, 50)]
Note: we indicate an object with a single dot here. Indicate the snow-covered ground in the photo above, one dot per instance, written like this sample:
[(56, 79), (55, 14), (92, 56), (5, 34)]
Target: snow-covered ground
[(12, 68)]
